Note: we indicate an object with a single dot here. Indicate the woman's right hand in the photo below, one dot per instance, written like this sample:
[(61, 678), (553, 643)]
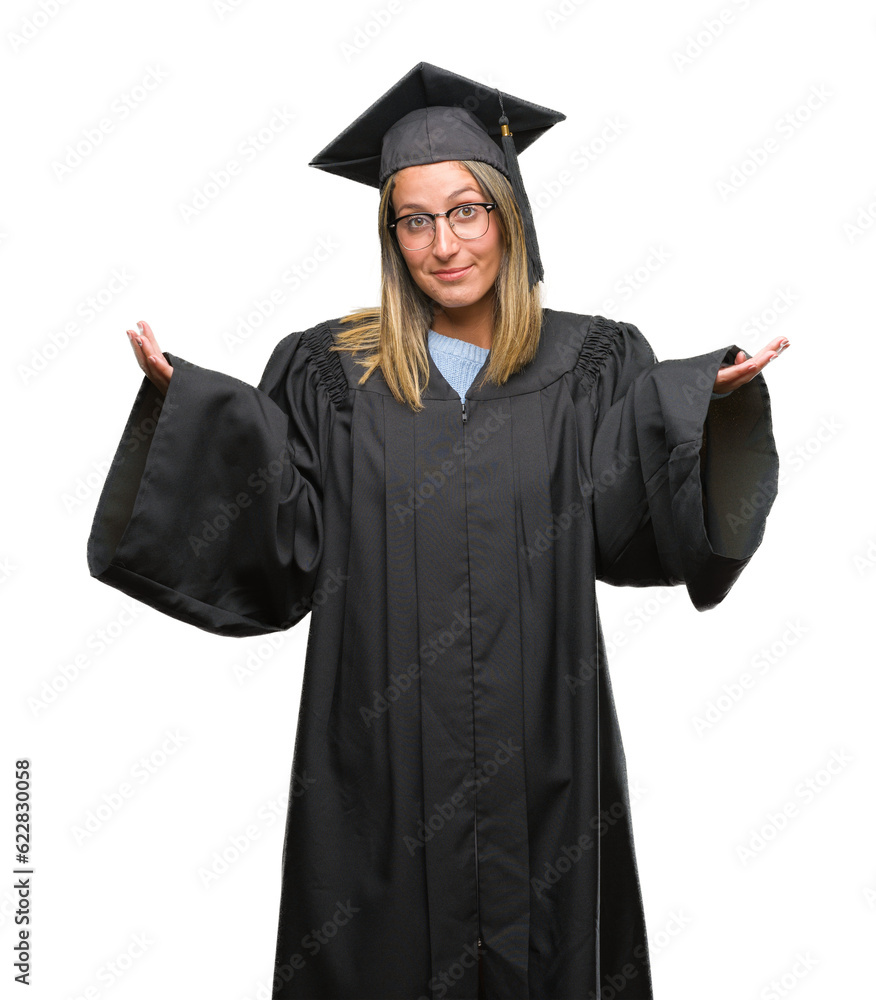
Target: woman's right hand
[(150, 359)]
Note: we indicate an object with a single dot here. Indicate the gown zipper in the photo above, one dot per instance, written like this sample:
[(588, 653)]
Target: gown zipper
[(477, 879)]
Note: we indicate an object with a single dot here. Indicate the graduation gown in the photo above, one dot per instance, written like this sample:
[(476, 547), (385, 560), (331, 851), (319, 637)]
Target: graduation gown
[(458, 773)]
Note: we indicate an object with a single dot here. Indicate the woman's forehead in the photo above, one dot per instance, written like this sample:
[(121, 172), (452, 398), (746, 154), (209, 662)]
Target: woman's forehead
[(444, 180)]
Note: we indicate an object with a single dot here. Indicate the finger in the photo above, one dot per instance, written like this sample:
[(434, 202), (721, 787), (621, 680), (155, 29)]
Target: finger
[(145, 340), (743, 363), (736, 375), (733, 378), (772, 350), (160, 371), (141, 345), (148, 345), (148, 337), (137, 347), (158, 363), (725, 380)]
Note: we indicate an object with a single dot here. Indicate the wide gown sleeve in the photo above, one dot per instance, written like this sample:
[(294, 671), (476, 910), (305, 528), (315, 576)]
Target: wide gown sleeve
[(212, 509), (682, 481)]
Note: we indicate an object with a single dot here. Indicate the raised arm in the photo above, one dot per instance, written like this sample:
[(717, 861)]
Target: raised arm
[(668, 510), (212, 509)]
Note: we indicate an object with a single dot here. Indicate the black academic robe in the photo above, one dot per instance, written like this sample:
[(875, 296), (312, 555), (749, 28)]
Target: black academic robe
[(458, 771)]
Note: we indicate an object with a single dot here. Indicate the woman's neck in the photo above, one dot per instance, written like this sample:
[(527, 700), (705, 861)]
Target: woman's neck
[(473, 324)]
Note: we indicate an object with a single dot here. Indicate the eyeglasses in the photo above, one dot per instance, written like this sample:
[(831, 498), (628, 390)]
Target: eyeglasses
[(468, 222)]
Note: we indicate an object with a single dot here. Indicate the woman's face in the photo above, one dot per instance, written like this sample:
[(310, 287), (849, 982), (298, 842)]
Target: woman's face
[(453, 272)]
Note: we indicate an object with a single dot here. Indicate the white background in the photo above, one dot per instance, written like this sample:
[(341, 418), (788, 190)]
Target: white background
[(720, 925)]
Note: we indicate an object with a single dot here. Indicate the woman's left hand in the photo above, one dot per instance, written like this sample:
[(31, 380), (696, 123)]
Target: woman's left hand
[(746, 368)]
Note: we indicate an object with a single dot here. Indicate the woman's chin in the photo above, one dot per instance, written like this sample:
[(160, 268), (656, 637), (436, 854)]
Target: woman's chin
[(457, 298)]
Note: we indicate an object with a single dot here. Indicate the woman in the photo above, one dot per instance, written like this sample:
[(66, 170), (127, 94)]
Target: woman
[(459, 821)]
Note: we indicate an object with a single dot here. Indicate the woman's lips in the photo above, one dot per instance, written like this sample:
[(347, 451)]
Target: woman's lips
[(453, 273)]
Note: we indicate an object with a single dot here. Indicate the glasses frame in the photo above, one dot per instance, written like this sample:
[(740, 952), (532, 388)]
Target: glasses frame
[(434, 216)]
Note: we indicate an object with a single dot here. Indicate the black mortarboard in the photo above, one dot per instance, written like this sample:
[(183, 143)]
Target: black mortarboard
[(431, 115)]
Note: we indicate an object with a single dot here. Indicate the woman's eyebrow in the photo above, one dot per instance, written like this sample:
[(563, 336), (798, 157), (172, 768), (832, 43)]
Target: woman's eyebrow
[(450, 197)]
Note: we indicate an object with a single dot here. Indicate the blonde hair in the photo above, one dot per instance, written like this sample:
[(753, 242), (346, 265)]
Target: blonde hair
[(394, 336)]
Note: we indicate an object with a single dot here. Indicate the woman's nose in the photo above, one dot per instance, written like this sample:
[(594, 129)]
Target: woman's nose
[(446, 241)]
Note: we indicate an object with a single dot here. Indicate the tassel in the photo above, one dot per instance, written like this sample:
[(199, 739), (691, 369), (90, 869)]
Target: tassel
[(536, 271)]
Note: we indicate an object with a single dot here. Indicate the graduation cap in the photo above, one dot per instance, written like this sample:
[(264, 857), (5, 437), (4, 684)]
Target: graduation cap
[(431, 115)]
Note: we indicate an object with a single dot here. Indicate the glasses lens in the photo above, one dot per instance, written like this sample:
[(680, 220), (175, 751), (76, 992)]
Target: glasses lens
[(416, 231), (470, 221)]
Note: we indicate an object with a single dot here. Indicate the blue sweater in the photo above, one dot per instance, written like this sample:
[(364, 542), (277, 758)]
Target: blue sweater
[(457, 360)]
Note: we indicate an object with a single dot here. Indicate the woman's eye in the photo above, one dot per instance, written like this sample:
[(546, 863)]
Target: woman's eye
[(466, 211), (417, 222)]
